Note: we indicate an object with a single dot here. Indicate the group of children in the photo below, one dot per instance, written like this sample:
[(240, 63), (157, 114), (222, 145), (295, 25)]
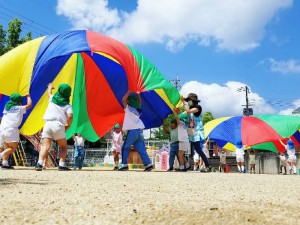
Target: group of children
[(58, 118)]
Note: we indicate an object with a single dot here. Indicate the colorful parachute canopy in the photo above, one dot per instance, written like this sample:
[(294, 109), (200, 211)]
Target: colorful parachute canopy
[(226, 131), (99, 69), (252, 129)]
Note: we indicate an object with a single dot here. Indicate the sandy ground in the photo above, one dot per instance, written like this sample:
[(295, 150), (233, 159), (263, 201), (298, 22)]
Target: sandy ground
[(136, 197)]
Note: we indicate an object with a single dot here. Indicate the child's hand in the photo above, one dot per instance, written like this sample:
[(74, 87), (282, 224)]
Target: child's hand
[(50, 86)]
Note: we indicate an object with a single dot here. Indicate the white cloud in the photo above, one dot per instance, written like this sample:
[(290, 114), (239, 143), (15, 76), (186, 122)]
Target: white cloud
[(285, 67), (288, 111), (233, 25), (225, 100)]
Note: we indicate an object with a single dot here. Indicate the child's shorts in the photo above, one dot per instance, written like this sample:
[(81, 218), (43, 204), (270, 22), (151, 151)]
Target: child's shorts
[(240, 158), (184, 146), (10, 135), (114, 148), (252, 162), (292, 158), (54, 130), (196, 157)]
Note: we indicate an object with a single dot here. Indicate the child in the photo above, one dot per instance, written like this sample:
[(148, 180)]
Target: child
[(117, 140), (292, 159), (12, 119), (282, 163), (174, 145), (240, 160), (134, 125), (58, 118), (222, 155), (79, 151), (183, 138), (252, 161)]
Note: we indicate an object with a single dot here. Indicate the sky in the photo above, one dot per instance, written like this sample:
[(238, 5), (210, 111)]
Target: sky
[(215, 47)]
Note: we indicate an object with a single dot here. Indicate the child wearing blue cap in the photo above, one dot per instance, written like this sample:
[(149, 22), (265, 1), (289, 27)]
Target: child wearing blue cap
[(292, 159), (240, 159)]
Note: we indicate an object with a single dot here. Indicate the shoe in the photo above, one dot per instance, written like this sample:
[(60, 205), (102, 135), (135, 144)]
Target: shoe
[(38, 167), (124, 168), (116, 168), (63, 168), (187, 168), (7, 167), (149, 168), (170, 170), (182, 170)]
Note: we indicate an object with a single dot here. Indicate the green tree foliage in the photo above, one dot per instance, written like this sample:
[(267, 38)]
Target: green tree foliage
[(2, 40), (207, 117), (11, 38)]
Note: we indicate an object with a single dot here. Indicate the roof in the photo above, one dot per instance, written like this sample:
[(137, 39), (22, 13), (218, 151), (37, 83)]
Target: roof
[(296, 111)]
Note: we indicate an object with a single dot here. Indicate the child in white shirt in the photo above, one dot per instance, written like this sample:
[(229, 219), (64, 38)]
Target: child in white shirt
[(117, 141), (282, 163), (58, 118), (183, 138), (292, 159), (240, 160), (12, 119)]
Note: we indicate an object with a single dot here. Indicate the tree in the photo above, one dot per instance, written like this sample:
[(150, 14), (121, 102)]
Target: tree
[(207, 117), (13, 34), (2, 40)]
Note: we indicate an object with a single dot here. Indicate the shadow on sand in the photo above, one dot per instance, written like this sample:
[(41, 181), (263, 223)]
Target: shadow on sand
[(10, 181)]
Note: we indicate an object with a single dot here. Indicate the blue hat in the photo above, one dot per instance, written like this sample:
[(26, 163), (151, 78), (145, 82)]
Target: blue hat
[(239, 144), (290, 144)]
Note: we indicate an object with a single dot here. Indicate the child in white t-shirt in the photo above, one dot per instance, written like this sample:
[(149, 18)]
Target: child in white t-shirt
[(222, 166), (282, 163), (183, 138), (117, 141), (79, 151), (12, 119), (292, 159), (134, 127), (58, 118), (240, 160)]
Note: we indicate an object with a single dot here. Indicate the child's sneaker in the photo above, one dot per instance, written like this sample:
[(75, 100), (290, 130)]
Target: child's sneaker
[(38, 167), (148, 168)]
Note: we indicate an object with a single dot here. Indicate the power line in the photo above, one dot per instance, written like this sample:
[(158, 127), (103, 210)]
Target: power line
[(32, 21)]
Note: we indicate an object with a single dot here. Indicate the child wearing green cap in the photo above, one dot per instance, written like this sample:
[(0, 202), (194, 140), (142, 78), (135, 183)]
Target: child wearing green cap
[(117, 140), (174, 145), (134, 125), (12, 119), (58, 118)]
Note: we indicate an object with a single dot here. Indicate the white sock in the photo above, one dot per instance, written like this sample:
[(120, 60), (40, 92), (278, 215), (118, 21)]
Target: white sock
[(181, 167), (295, 169), (125, 165), (62, 163), (4, 163), (239, 168), (243, 168), (41, 162), (187, 165)]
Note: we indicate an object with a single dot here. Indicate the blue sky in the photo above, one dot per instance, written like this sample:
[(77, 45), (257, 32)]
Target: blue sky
[(214, 46)]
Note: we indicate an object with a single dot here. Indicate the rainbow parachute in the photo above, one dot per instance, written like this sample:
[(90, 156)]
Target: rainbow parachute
[(99, 69)]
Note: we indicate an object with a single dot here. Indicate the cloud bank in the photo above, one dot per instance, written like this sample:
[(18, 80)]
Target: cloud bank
[(231, 25)]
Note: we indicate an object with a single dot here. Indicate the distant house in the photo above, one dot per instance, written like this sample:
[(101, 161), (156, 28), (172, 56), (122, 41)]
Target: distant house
[(296, 111)]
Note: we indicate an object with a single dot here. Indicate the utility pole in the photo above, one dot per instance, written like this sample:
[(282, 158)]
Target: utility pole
[(176, 82), (246, 111)]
